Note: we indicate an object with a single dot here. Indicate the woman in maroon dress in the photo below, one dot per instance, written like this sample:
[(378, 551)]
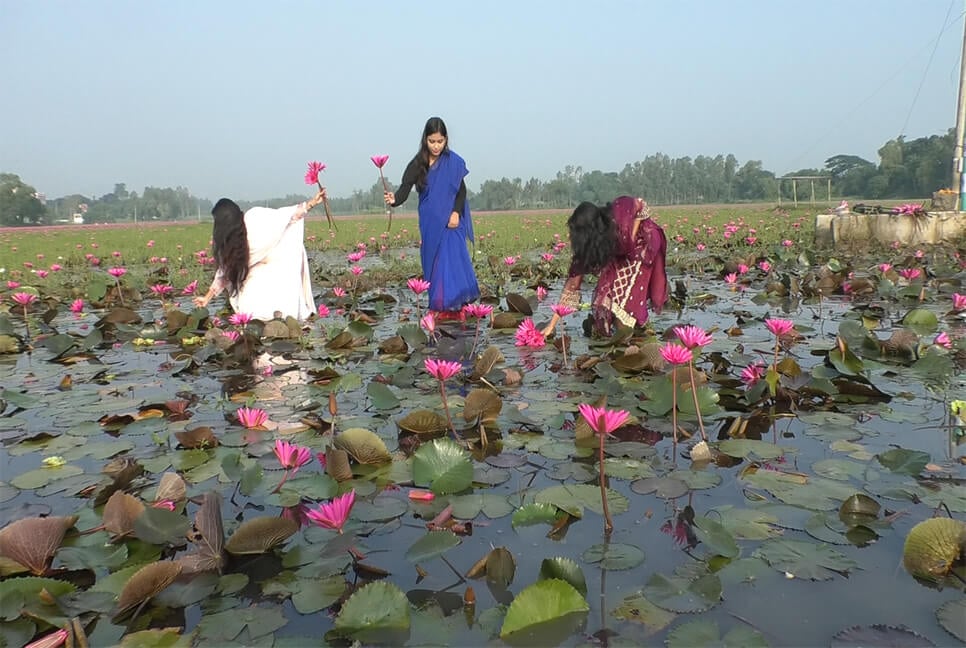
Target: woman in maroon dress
[(626, 250)]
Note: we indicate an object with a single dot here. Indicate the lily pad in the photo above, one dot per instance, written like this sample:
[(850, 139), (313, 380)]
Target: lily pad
[(678, 594), (704, 632), (377, 613), (573, 498), (565, 569), (806, 560), (443, 466), (614, 556), (952, 617), (431, 545), (543, 614)]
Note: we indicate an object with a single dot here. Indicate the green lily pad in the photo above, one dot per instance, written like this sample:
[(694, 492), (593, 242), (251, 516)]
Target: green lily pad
[(903, 461), (614, 556), (377, 613), (704, 632), (565, 569), (160, 526), (543, 614), (745, 448), (256, 622), (716, 537), (315, 594), (637, 609), (952, 617), (806, 560), (443, 466), (40, 477), (530, 514), (381, 509), (573, 498), (493, 506), (382, 396), (431, 545), (678, 594)]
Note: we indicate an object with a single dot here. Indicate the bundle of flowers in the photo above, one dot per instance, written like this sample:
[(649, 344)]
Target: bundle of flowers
[(909, 209)]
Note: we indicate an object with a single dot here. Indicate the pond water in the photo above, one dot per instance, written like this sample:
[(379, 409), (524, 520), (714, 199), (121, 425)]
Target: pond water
[(775, 562)]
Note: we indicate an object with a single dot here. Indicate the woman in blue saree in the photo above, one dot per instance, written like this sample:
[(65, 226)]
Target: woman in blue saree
[(444, 219)]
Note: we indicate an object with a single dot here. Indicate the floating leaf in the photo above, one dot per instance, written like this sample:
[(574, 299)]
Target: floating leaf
[(260, 534), (879, 634), (160, 526), (573, 498), (423, 422), (932, 547), (952, 617), (443, 466), (337, 464), (315, 594), (805, 560), (614, 556), (544, 613), (744, 448), (678, 594), (493, 506), (32, 542), (482, 405), (145, 584), (220, 628), (491, 357), (153, 638), (903, 461), (431, 545), (637, 609), (363, 445), (566, 570), (120, 512), (498, 566), (716, 537), (171, 487), (382, 396), (663, 487), (704, 632), (377, 613), (533, 513)]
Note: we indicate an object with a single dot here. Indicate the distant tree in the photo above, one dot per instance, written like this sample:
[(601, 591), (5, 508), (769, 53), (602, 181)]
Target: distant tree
[(19, 204)]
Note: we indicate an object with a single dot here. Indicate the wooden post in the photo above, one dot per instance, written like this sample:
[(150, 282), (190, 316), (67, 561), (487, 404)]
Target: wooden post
[(960, 128), (795, 191)]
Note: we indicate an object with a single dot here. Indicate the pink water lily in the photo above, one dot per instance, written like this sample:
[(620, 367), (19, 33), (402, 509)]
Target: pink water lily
[(751, 374), (479, 311), (312, 175), (910, 273), (56, 267), (442, 369), (418, 286), (885, 267), (339, 292), (24, 298), (52, 640), (528, 335), (959, 302), (13, 285), (117, 272), (943, 340), (428, 323), (379, 160), (240, 319), (562, 310), (323, 310), (541, 293), (779, 327), (251, 417), (161, 290), (731, 278), (190, 288), (692, 336), (547, 256), (42, 274), (355, 257), (333, 515), (291, 456), (510, 260), (77, 306), (603, 420), (356, 270), (675, 354)]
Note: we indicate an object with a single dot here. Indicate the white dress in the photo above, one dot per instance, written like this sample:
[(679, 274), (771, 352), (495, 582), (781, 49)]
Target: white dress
[(278, 275)]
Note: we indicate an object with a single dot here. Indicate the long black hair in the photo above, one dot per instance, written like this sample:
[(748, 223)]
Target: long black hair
[(229, 242), (593, 238), (433, 126)]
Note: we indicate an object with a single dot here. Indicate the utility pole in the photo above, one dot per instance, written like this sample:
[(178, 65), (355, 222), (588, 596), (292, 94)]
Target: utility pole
[(957, 185)]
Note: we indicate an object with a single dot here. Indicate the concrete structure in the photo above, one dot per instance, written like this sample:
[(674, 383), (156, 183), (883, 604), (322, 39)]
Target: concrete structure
[(850, 228)]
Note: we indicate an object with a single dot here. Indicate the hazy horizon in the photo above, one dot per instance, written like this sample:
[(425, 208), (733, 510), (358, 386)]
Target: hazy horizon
[(234, 99)]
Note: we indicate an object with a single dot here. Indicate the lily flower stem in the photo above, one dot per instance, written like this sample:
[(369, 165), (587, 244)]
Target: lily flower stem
[(288, 473), (674, 415), (608, 523), (449, 419), (694, 395), (385, 187), (563, 344), (476, 338), (120, 293), (26, 323)]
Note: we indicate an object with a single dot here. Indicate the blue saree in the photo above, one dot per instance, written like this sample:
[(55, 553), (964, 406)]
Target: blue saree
[(446, 261)]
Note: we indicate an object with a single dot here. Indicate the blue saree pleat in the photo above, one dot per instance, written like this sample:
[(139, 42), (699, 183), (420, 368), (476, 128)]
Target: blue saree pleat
[(444, 255)]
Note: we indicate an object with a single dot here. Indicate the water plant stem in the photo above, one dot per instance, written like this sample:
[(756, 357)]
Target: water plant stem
[(608, 523), (449, 418), (694, 395)]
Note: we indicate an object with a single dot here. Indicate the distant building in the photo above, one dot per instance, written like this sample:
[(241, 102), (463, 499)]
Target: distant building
[(77, 219)]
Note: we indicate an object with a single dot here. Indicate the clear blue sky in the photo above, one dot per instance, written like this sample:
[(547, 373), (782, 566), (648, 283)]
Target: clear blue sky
[(233, 98)]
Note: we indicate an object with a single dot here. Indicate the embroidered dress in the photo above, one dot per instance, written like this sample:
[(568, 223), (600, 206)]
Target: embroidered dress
[(278, 275), (634, 277)]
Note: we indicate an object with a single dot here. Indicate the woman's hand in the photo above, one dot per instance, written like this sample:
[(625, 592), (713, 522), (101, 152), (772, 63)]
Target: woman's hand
[(201, 301), (389, 197), (454, 220), (317, 200)]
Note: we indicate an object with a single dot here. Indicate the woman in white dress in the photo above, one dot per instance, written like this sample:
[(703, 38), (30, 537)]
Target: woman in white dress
[(261, 260)]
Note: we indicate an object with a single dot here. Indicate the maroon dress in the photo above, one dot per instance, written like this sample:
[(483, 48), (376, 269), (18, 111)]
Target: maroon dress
[(635, 276)]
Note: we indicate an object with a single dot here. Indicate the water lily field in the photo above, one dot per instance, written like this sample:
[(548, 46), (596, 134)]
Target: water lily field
[(174, 476)]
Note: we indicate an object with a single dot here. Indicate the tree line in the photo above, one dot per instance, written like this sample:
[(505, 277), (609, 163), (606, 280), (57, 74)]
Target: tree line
[(906, 169)]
